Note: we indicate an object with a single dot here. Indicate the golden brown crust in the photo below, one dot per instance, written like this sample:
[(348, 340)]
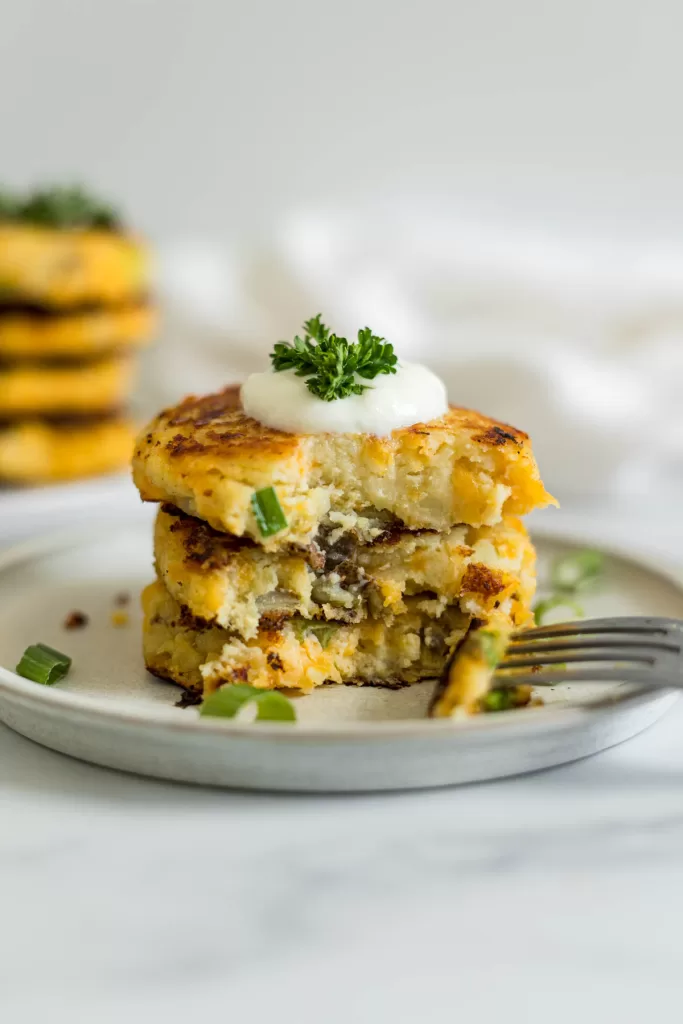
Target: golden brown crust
[(208, 457), (500, 434), (78, 335), (201, 545), (481, 579), (221, 428), (216, 426), (65, 269)]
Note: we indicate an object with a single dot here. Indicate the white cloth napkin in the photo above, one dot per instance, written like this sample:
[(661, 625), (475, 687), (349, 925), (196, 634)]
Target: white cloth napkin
[(578, 341)]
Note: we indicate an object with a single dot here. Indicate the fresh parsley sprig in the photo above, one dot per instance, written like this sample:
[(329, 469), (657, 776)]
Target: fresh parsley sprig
[(331, 363), (59, 207)]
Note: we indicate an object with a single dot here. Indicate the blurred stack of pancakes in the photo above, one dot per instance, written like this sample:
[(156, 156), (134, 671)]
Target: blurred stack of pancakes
[(74, 310)]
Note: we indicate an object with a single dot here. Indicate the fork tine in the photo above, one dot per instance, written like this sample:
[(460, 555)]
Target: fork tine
[(623, 624), (590, 642), (634, 649), (530, 660), (647, 679)]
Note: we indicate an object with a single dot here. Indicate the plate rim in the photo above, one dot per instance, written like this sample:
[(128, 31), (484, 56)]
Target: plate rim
[(88, 707)]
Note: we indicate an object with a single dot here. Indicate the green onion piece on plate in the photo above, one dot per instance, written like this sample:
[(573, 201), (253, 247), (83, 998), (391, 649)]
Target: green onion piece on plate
[(43, 664), (576, 572), (499, 699), (268, 512), (504, 698), (271, 705), (544, 608)]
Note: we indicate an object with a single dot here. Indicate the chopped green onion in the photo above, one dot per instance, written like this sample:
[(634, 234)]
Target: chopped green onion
[(500, 699), (578, 571), (543, 608), (43, 664), (492, 646), (322, 631), (271, 706), (268, 512)]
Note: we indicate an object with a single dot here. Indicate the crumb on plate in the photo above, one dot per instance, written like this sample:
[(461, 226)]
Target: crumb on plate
[(76, 620)]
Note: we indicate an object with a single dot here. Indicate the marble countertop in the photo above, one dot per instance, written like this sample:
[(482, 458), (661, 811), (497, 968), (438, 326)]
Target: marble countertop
[(556, 896)]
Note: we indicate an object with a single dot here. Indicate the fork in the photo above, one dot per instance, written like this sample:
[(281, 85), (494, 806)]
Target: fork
[(628, 649)]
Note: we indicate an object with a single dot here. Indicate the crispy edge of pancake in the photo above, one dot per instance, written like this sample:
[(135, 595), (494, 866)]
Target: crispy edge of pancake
[(207, 456), (60, 268)]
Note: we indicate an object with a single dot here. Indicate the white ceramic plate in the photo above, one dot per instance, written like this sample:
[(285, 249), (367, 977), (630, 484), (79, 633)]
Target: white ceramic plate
[(111, 712)]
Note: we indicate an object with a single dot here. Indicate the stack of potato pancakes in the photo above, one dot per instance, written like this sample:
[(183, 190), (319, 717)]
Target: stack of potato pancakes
[(73, 311), (290, 560)]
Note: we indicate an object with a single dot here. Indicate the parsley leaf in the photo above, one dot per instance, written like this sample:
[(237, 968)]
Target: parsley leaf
[(331, 363)]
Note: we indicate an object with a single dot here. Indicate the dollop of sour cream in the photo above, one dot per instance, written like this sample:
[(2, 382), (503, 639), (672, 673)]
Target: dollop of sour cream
[(281, 400)]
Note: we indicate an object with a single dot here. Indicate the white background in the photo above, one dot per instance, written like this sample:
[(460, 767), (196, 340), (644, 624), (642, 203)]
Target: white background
[(207, 117)]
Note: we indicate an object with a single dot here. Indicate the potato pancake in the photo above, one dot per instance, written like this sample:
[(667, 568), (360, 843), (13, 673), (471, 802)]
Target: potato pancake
[(31, 335), (63, 269), (37, 451), (296, 653), (209, 459), (95, 386), (236, 584)]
